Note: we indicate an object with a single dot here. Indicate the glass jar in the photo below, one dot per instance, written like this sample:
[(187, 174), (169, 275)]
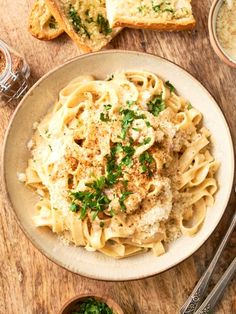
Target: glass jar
[(14, 74)]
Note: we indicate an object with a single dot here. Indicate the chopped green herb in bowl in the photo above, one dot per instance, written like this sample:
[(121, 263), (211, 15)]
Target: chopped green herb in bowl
[(86, 304), (92, 306)]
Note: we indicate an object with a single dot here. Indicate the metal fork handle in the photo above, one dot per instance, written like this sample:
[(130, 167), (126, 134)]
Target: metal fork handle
[(215, 295), (194, 300)]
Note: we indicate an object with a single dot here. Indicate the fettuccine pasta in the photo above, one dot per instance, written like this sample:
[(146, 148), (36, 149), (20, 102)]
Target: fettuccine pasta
[(122, 165)]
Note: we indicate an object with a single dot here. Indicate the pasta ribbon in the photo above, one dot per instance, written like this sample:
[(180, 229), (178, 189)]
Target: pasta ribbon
[(121, 165)]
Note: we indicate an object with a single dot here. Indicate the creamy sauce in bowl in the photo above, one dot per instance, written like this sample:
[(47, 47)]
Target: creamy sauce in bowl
[(226, 29)]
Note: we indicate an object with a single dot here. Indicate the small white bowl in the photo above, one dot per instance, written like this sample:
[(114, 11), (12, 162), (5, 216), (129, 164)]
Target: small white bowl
[(212, 20)]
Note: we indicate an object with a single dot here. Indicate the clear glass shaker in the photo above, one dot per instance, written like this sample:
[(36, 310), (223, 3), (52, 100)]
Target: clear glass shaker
[(14, 74)]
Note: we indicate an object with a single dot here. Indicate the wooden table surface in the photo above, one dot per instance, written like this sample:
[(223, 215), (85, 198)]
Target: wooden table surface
[(29, 282)]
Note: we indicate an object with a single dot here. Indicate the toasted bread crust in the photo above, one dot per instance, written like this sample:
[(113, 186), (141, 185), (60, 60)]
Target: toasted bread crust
[(153, 25), (122, 13), (58, 10), (40, 20)]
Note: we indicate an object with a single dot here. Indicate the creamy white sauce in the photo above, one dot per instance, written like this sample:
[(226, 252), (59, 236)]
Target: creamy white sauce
[(226, 29)]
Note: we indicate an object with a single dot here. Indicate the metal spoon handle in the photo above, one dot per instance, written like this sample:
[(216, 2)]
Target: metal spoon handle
[(193, 302), (215, 295)]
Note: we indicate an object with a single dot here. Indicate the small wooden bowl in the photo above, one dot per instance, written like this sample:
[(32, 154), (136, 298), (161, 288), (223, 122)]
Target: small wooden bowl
[(69, 306), (216, 5)]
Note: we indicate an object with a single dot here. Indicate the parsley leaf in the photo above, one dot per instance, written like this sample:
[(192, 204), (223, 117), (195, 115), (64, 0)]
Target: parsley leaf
[(190, 106), (171, 87), (52, 23), (146, 141), (146, 160), (130, 103), (103, 24), (74, 207), (156, 105), (156, 7), (128, 117), (168, 10), (110, 78), (95, 201), (92, 306), (98, 185), (123, 198), (108, 106), (76, 22), (104, 117), (102, 224)]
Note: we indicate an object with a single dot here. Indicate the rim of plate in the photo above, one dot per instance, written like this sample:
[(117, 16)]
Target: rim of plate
[(25, 231)]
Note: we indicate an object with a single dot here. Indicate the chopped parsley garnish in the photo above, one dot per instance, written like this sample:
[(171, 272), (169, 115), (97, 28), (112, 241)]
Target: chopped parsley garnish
[(156, 7), (130, 103), (146, 160), (162, 7), (74, 207), (52, 23), (114, 170), (142, 8), (47, 133), (148, 124), (128, 116), (156, 105), (146, 141), (127, 159), (102, 224), (171, 87), (103, 25), (76, 21), (110, 78), (96, 201), (125, 183), (123, 198), (108, 106), (111, 212), (88, 19), (50, 147), (98, 185), (190, 106), (104, 117), (91, 306), (168, 10)]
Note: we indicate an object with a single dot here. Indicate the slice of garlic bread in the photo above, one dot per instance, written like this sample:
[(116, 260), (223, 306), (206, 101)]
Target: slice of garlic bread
[(42, 24), (84, 21), (165, 15)]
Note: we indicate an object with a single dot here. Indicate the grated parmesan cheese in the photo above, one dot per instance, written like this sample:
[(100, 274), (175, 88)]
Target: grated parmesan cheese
[(226, 29), (35, 125), (30, 144), (21, 176)]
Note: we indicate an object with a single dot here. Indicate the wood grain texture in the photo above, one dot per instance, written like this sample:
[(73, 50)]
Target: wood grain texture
[(29, 282)]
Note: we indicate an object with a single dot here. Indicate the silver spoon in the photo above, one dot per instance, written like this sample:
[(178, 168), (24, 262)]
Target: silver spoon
[(194, 300), (212, 299)]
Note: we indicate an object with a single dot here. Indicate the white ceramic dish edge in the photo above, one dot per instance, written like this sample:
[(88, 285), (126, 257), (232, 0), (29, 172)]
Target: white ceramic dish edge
[(108, 276)]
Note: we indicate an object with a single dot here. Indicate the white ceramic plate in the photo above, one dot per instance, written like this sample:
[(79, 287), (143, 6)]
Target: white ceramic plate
[(34, 106)]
